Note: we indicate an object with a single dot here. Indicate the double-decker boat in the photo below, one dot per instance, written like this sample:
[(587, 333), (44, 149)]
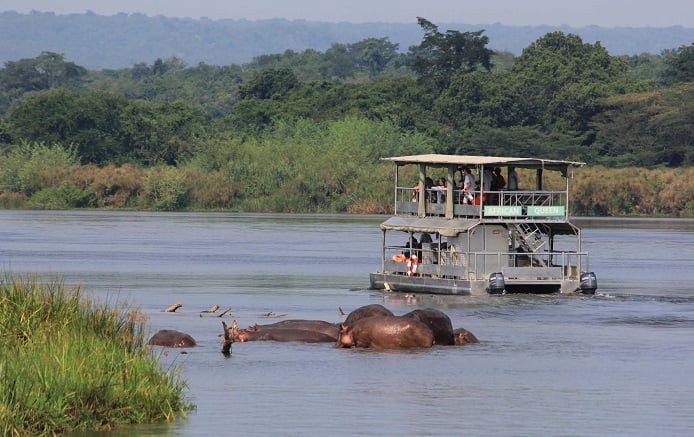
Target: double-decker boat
[(446, 239)]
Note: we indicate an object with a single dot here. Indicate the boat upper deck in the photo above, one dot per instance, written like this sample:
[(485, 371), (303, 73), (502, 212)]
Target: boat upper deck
[(451, 200)]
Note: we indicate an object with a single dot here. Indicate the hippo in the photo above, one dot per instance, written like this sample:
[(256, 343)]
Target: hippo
[(438, 322), (367, 311), (331, 329), (462, 336), (172, 338), (386, 332), (280, 334)]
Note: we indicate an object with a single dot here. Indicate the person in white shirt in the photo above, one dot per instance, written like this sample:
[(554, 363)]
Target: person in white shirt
[(513, 179), (468, 186)]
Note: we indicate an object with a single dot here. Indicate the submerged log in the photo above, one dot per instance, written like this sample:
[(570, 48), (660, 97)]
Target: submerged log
[(224, 312), (173, 308), (211, 310)]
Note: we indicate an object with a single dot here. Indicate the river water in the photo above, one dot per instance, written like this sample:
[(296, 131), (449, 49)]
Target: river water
[(618, 363)]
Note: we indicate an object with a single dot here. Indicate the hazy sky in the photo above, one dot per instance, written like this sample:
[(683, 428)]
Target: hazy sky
[(607, 13)]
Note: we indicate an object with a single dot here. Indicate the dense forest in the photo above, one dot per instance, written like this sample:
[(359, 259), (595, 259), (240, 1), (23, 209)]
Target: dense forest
[(304, 131)]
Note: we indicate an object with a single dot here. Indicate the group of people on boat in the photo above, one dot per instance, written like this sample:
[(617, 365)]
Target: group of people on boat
[(420, 251), (467, 186)]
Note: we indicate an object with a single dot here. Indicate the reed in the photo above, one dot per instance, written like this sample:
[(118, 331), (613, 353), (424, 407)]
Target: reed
[(68, 363)]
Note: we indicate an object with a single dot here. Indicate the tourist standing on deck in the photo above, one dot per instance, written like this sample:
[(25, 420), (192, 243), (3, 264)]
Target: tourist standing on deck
[(468, 185), (498, 181), (513, 179)]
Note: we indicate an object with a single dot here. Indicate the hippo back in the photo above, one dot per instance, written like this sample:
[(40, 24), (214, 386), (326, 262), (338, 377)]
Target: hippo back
[(386, 332), (367, 311), (328, 328), (290, 334), (439, 323), (172, 338)]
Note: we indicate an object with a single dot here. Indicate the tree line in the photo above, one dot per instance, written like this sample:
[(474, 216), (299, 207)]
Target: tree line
[(321, 120)]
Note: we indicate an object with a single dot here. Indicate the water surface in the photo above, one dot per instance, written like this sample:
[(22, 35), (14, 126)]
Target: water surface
[(618, 363)]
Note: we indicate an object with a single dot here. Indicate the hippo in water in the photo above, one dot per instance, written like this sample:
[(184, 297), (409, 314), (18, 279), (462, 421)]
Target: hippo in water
[(439, 323), (172, 338), (331, 329), (462, 336), (367, 311), (280, 334), (386, 332)]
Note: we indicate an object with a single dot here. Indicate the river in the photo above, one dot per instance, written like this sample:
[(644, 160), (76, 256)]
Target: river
[(617, 363)]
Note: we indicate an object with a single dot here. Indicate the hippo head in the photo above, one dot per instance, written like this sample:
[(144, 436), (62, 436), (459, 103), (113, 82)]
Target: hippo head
[(462, 336), (239, 335), (345, 338)]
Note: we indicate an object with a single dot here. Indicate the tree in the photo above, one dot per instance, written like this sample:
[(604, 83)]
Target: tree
[(163, 133), (45, 117), (161, 66), (647, 129), (558, 80), (48, 70), (273, 84), (59, 116), (338, 62), (679, 65), (105, 127), (374, 54), (441, 55)]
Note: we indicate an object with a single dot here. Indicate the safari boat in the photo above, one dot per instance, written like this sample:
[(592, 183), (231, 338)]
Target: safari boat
[(447, 240)]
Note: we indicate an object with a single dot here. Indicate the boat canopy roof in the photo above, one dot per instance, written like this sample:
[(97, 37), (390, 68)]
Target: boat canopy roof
[(444, 226), (435, 160), (453, 227)]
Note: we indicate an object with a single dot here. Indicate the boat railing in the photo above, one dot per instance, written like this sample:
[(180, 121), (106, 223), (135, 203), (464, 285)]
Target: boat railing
[(448, 263), (489, 204)]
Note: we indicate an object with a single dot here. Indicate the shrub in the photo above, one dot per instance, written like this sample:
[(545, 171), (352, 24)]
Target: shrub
[(209, 190), (62, 197), (165, 189), (115, 187), (31, 167)]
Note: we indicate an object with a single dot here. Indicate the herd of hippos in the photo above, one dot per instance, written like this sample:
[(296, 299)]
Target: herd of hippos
[(370, 326)]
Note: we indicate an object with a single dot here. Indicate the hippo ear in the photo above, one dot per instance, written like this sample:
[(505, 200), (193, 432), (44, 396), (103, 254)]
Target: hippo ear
[(343, 327)]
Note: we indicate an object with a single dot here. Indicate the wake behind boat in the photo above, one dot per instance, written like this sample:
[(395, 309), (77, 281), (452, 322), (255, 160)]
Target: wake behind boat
[(453, 238)]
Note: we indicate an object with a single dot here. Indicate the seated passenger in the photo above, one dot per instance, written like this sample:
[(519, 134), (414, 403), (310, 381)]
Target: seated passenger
[(440, 190), (402, 257)]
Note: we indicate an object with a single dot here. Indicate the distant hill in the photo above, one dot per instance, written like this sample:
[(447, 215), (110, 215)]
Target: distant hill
[(122, 40)]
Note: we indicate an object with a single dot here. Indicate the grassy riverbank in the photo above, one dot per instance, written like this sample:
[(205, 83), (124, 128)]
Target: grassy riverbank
[(279, 175), (595, 191), (67, 363)]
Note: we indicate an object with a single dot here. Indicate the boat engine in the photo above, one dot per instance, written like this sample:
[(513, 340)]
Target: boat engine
[(496, 283), (589, 283)]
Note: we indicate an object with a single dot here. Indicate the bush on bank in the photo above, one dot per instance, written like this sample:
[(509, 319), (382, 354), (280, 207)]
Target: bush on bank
[(69, 364)]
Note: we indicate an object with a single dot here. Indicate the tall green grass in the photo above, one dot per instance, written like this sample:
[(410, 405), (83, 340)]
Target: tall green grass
[(67, 363)]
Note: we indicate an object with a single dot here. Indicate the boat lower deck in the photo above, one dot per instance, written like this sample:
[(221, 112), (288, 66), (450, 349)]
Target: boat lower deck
[(436, 285)]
